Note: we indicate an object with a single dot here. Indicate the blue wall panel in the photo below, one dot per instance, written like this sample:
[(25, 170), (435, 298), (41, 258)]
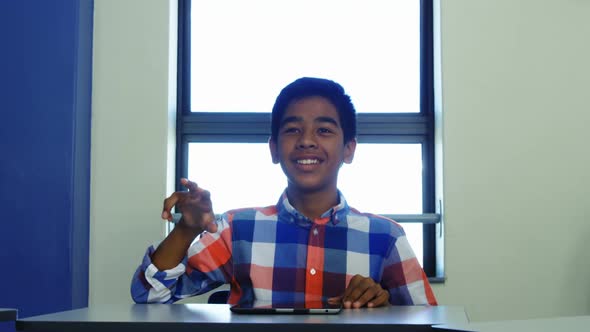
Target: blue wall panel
[(45, 90)]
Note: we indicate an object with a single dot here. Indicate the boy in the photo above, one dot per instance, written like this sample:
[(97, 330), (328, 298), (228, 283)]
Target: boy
[(309, 247)]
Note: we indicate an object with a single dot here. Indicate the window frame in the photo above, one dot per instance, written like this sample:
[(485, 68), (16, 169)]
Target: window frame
[(193, 127)]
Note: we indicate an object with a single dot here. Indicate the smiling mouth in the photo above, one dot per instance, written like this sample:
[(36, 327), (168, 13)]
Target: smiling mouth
[(307, 161)]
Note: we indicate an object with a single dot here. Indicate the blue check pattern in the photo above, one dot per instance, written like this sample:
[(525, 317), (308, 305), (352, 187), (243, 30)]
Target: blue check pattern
[(277, 255)]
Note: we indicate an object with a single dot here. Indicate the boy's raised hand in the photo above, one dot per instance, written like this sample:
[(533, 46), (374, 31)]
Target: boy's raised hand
[(361, 292), (194, 205)]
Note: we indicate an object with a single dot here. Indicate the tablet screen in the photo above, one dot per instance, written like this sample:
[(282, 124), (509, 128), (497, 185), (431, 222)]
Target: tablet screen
[(286, 308)]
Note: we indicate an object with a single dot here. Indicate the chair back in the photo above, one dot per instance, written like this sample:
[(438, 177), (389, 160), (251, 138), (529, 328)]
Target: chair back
[(219, 297)]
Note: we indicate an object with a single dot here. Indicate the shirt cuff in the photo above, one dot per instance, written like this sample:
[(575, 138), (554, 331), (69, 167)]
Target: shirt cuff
[(161, 281)]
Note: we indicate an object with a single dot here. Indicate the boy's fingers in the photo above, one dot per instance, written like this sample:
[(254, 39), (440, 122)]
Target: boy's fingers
[(351, 286), (381, 299), (335, 300), (205, 199), (211, 227), (168, 205), (201, 198), (354, 290), (205, 195), (190, 185), (369, 294), (361, 291)]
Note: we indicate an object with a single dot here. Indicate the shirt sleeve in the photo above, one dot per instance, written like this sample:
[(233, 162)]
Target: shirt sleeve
[(404, 278), (206, 266)]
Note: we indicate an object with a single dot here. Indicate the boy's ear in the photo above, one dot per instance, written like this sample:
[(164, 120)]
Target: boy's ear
[(349, 149), (272, 145)]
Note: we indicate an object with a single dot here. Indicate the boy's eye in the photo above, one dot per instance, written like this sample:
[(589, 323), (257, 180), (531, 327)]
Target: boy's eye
[(290, 130), (324, 131)]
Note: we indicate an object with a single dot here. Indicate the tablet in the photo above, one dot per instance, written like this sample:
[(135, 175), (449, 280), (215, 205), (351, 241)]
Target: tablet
[(290, 308)]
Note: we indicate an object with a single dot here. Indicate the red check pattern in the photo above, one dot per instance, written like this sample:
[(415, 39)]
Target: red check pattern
[(277, 255)]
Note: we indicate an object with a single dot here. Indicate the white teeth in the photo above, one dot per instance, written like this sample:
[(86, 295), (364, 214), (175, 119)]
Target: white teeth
[(308, 161)]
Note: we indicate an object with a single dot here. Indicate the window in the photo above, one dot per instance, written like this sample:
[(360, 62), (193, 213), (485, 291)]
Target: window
[(236, 55)]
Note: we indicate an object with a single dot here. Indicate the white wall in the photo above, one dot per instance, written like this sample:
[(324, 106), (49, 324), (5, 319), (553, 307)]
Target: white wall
[(133, 120), (515, 76), (515, 81)]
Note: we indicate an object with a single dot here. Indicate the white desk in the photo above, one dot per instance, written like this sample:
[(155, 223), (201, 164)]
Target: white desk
[(218, 318), (558, 324)]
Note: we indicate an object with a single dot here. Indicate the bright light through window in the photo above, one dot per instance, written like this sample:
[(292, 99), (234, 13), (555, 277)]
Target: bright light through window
[(382, 179), (244, 52)]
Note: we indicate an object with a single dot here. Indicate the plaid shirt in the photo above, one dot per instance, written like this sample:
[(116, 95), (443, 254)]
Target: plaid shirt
[(277, 255)]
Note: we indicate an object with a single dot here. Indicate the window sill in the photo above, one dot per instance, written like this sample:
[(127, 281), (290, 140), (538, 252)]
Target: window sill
[(437, 280)]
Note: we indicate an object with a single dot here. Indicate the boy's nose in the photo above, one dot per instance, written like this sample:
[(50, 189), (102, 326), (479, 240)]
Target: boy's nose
[(306, 141)]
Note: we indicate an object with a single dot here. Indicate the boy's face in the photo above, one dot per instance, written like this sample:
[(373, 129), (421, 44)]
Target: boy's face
[(310, 145)]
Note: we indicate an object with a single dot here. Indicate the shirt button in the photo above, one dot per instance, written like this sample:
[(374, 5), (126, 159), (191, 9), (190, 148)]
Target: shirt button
[(312, 271), (315, 231)]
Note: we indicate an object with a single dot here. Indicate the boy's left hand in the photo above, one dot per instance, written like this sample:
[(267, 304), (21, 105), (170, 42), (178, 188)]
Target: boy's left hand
[(362, 291)]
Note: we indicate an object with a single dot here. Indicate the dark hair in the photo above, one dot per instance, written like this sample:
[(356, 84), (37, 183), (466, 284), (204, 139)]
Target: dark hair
[(311, 87)]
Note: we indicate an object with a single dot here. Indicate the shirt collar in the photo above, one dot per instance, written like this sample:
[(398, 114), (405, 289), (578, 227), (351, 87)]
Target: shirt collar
[(286, 212)]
